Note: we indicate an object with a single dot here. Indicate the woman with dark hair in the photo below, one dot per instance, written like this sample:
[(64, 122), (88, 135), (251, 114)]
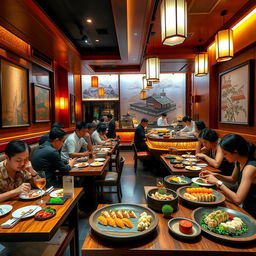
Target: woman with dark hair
[(200, 125), (237, 150), (16, 172), (213, 154), (190, 127), (99, 136)]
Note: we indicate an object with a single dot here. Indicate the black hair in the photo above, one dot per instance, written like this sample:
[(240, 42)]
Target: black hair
[(209, 135), (236, 143), (186, 119), (56, 133), (80, 125), (101, 128), (144, 120), (58, 125), (89, 126), (15, 147), (109, 115), (200, 125), (102, 119), (164, 114)]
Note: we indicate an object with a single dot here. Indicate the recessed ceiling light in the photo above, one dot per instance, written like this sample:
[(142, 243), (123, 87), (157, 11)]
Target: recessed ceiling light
[(97, 40), (89, 20)]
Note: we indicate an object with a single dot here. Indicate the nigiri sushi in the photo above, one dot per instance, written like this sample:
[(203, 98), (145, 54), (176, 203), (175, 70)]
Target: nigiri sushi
[(119, 214), (112, 214), (111, 222), (103, 220), (119, 223), (132, 214), (125, 214), (127, 223), (105, 214)]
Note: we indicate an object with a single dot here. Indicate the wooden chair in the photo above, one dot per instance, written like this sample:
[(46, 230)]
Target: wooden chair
[(142, 155), (114, 161), (109, 179)]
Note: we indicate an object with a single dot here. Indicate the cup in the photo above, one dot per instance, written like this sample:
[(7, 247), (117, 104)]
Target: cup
[(68, 186)]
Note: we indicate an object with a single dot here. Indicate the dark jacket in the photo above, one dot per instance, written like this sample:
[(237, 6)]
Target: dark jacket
[(47, 158), (111, 129), (139, 138), (44, 138)]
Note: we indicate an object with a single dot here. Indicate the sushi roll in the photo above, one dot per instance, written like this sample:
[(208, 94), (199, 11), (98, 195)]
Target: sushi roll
[(119, 223), (105, 214), (111, 222), (132, 214), (103, 220), (127, 223)]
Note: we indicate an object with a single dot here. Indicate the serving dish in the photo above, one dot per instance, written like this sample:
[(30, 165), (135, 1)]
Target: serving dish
[(188, 156), (193, 168), (174, 161), (81, 165), (45, 214), (99, 159), (26, 212), (82, 159), (57, 193), (170, 156), (201, 182), (173, 184), (33, 194), (5, 208), (96, 164), (179, 166)]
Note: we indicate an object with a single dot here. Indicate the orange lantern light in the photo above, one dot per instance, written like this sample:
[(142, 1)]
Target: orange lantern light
[(101, 92), (94, 81), (62, 103), (143, 95)]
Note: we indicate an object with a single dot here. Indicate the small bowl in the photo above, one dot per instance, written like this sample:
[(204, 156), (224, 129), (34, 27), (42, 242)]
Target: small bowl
[(101, 154), (82, 159), (173, 226), (157, 205), (173, 185)]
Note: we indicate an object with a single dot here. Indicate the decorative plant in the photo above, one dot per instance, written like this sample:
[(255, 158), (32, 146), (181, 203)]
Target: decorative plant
[(167, 210)]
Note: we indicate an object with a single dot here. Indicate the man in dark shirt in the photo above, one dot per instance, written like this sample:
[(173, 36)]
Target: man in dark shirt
[(140, 135), (47, 158), (45, 137), (111, 127)]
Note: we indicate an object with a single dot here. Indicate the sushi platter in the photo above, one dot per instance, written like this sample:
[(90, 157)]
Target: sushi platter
[(123, 222)]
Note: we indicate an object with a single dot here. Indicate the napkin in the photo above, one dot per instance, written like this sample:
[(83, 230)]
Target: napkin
[(10, 223)]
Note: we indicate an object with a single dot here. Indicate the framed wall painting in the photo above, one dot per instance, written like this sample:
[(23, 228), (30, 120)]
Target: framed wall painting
[(14, 95), (236, 85), (72, 109), (42, 103)]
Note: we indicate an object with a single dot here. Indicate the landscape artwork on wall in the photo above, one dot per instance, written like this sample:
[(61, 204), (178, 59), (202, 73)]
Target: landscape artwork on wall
[(108, 82), (235, 86), (167, 96), (14, 95)]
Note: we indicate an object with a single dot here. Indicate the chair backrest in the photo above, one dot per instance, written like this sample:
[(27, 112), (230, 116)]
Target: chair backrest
[(134, 149), (120, 168), (117, 156)]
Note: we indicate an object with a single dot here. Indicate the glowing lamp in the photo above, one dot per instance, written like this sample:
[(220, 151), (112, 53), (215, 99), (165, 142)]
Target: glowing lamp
[(201, 64), (101, 92), (224, 45), (173, 21), (94, 81), (62, 103), (143, 95), (153, 69)]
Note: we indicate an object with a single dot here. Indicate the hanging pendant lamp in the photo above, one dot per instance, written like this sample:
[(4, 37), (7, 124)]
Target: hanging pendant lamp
[(94, 81), (201, 64), (224, 45), (101, 92), (143, 95), (173, 21), (153, 69)]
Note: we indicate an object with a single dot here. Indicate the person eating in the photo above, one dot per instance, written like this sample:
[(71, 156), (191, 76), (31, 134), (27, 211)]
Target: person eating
[(190, 127), (99, 136)]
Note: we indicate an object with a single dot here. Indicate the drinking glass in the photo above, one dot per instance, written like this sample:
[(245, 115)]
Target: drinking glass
[(159, 182), (40, 184)]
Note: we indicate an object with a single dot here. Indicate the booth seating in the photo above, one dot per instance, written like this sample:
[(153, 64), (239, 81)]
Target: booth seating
[(142, 155)]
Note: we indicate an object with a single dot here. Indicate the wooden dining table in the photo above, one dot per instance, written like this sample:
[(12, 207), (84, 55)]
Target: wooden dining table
[(32, 230), (184, 171), (161, 242)]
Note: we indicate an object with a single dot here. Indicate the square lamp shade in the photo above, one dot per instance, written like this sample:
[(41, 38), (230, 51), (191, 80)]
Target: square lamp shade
[(94, 81), (201, 64), (173, 21), (101, 92), (224, 45), (153, 69), (62, 103)]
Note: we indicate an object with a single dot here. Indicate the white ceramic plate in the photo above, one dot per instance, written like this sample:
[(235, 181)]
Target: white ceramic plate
[(192, 159), (105, 149), (188, 156), (56, 192), (193, 168), (81, 165), (5, 208), (20, 211), (96, 164), (201, 184), (33, 194), (99, 159), (202, 165)]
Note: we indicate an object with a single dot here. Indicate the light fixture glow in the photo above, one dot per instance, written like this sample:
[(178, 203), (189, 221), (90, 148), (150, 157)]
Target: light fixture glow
[(89, 20), (62, 103), (143, 95), (224, 45), (144, 83), (173, 21), (94, 81), (244, 19), (201, 64), (101, 91), (153, 69), (97, 40)]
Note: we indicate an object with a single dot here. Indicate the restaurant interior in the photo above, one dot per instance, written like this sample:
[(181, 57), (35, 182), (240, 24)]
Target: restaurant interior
[(174, 81)]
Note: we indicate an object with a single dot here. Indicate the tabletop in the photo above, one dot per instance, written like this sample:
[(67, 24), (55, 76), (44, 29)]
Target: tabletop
[(163, 243), (184, 171), (33, 230)]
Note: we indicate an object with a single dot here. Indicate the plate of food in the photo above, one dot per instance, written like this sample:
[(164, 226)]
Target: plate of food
[(100, 159), (33, 194), (170, 156), (202, 165), (179, 166), (57, 193), (202, 182), (192, 159), (26, 212), (200, 196), (175, 181), (184, 228), (193, 168), (96, 164), (174, 161), (188, 156), (166, 136), (4, 209), (82, 159), (225, 224), (188, 162), (105, 149), (45, 214), (81, 165), (123, 222)]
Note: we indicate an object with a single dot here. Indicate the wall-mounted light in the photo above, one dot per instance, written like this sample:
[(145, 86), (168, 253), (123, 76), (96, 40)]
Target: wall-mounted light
[(143, 95), (153, 69), (94, 81), (62, 103), (101, 92), (201, 64), (224, 45), (173, 21)]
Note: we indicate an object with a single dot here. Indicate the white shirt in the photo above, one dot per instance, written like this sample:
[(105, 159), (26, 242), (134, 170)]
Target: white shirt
[(72, 144), (162, 121), (96, 140), (189, 129)]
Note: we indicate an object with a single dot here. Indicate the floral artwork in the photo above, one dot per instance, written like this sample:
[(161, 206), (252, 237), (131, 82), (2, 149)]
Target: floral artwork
[(234, 91)]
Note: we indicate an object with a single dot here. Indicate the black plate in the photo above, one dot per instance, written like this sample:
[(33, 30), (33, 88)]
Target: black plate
[(250, 235), (174, 161)]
